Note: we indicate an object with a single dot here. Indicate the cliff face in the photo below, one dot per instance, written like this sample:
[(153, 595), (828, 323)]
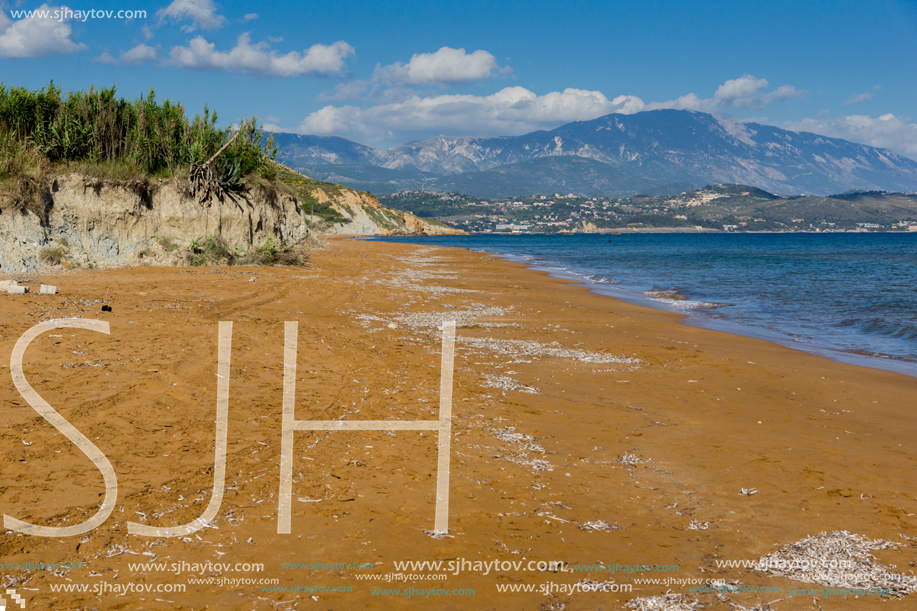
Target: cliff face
[(106, 222), (369, 217)]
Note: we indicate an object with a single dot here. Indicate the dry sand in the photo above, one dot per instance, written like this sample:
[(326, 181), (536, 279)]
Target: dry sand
[(586, 430)]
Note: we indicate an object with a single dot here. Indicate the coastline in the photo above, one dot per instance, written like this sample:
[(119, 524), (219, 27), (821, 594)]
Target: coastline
[(859, 350), (828, 446), (691, 318)]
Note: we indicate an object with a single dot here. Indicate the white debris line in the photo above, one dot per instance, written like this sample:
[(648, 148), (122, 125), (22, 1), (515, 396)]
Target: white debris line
[(463, 317), (416, 278), (666, 602), (521, 445), (552, 517), (508, 383), (531, 348), (599, 526)]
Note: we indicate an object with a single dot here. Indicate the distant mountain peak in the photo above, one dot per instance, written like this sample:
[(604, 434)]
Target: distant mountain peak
[(655, 147)]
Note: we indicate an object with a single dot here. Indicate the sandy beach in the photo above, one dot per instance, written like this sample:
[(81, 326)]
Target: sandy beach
[(585, 431)]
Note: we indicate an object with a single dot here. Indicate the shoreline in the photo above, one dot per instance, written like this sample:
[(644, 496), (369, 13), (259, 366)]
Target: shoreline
[(861, 358), (623, 230), (547, 400), (693, 319)]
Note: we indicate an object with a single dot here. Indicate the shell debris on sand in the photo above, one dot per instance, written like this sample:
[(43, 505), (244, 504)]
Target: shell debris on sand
[(516, 347), (599, 526), (838, 560), (416, 278), (463, 317), (665, 602), (629, 460), (507, 383), (521, 445)]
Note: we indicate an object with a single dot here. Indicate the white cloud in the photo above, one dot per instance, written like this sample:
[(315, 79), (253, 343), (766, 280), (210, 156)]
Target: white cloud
[(511, 111), (37, 36), (139, 54), (350, 90), (743, 92), (250, 16), (781, 94), (859, 99), (259, 59), (686, 102), (396, 82), (447, 66), (887, 131), (740, 92), (201, 13)]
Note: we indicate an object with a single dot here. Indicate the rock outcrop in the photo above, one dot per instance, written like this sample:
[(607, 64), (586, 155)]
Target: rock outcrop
[(109, 222), (369, 217)]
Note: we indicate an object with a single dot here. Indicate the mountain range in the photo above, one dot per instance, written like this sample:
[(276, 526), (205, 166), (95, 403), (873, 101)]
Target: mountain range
[(616, 155)]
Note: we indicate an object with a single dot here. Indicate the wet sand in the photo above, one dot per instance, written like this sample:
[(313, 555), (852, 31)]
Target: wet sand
[(553, 385)]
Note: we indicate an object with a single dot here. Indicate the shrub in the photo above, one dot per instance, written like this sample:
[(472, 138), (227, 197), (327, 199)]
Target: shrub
[(211, 250), (270, 253), (52, 255), (324, 211), (167, 243)]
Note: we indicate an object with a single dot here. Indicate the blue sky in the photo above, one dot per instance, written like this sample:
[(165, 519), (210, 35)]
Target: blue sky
[(385, 72)]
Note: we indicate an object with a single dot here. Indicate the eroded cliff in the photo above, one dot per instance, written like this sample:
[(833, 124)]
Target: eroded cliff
[(97, 222)]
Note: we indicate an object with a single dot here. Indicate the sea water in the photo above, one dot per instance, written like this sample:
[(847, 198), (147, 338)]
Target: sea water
[(849, 296)]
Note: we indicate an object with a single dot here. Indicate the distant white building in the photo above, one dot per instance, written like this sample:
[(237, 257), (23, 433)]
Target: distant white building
[(511, 227)]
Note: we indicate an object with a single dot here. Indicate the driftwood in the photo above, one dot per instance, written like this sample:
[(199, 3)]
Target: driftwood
[(204, 183)]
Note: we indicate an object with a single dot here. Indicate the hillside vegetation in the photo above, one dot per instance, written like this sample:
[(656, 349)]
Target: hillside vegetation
[(714, 207)]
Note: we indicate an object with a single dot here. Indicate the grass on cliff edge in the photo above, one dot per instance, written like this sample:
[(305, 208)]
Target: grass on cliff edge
[(155, 138), (95, 133)]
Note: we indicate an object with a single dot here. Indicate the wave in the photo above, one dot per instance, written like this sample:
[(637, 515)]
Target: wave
[(882, 355), (668, 294), (883, 327), (675, 299)]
